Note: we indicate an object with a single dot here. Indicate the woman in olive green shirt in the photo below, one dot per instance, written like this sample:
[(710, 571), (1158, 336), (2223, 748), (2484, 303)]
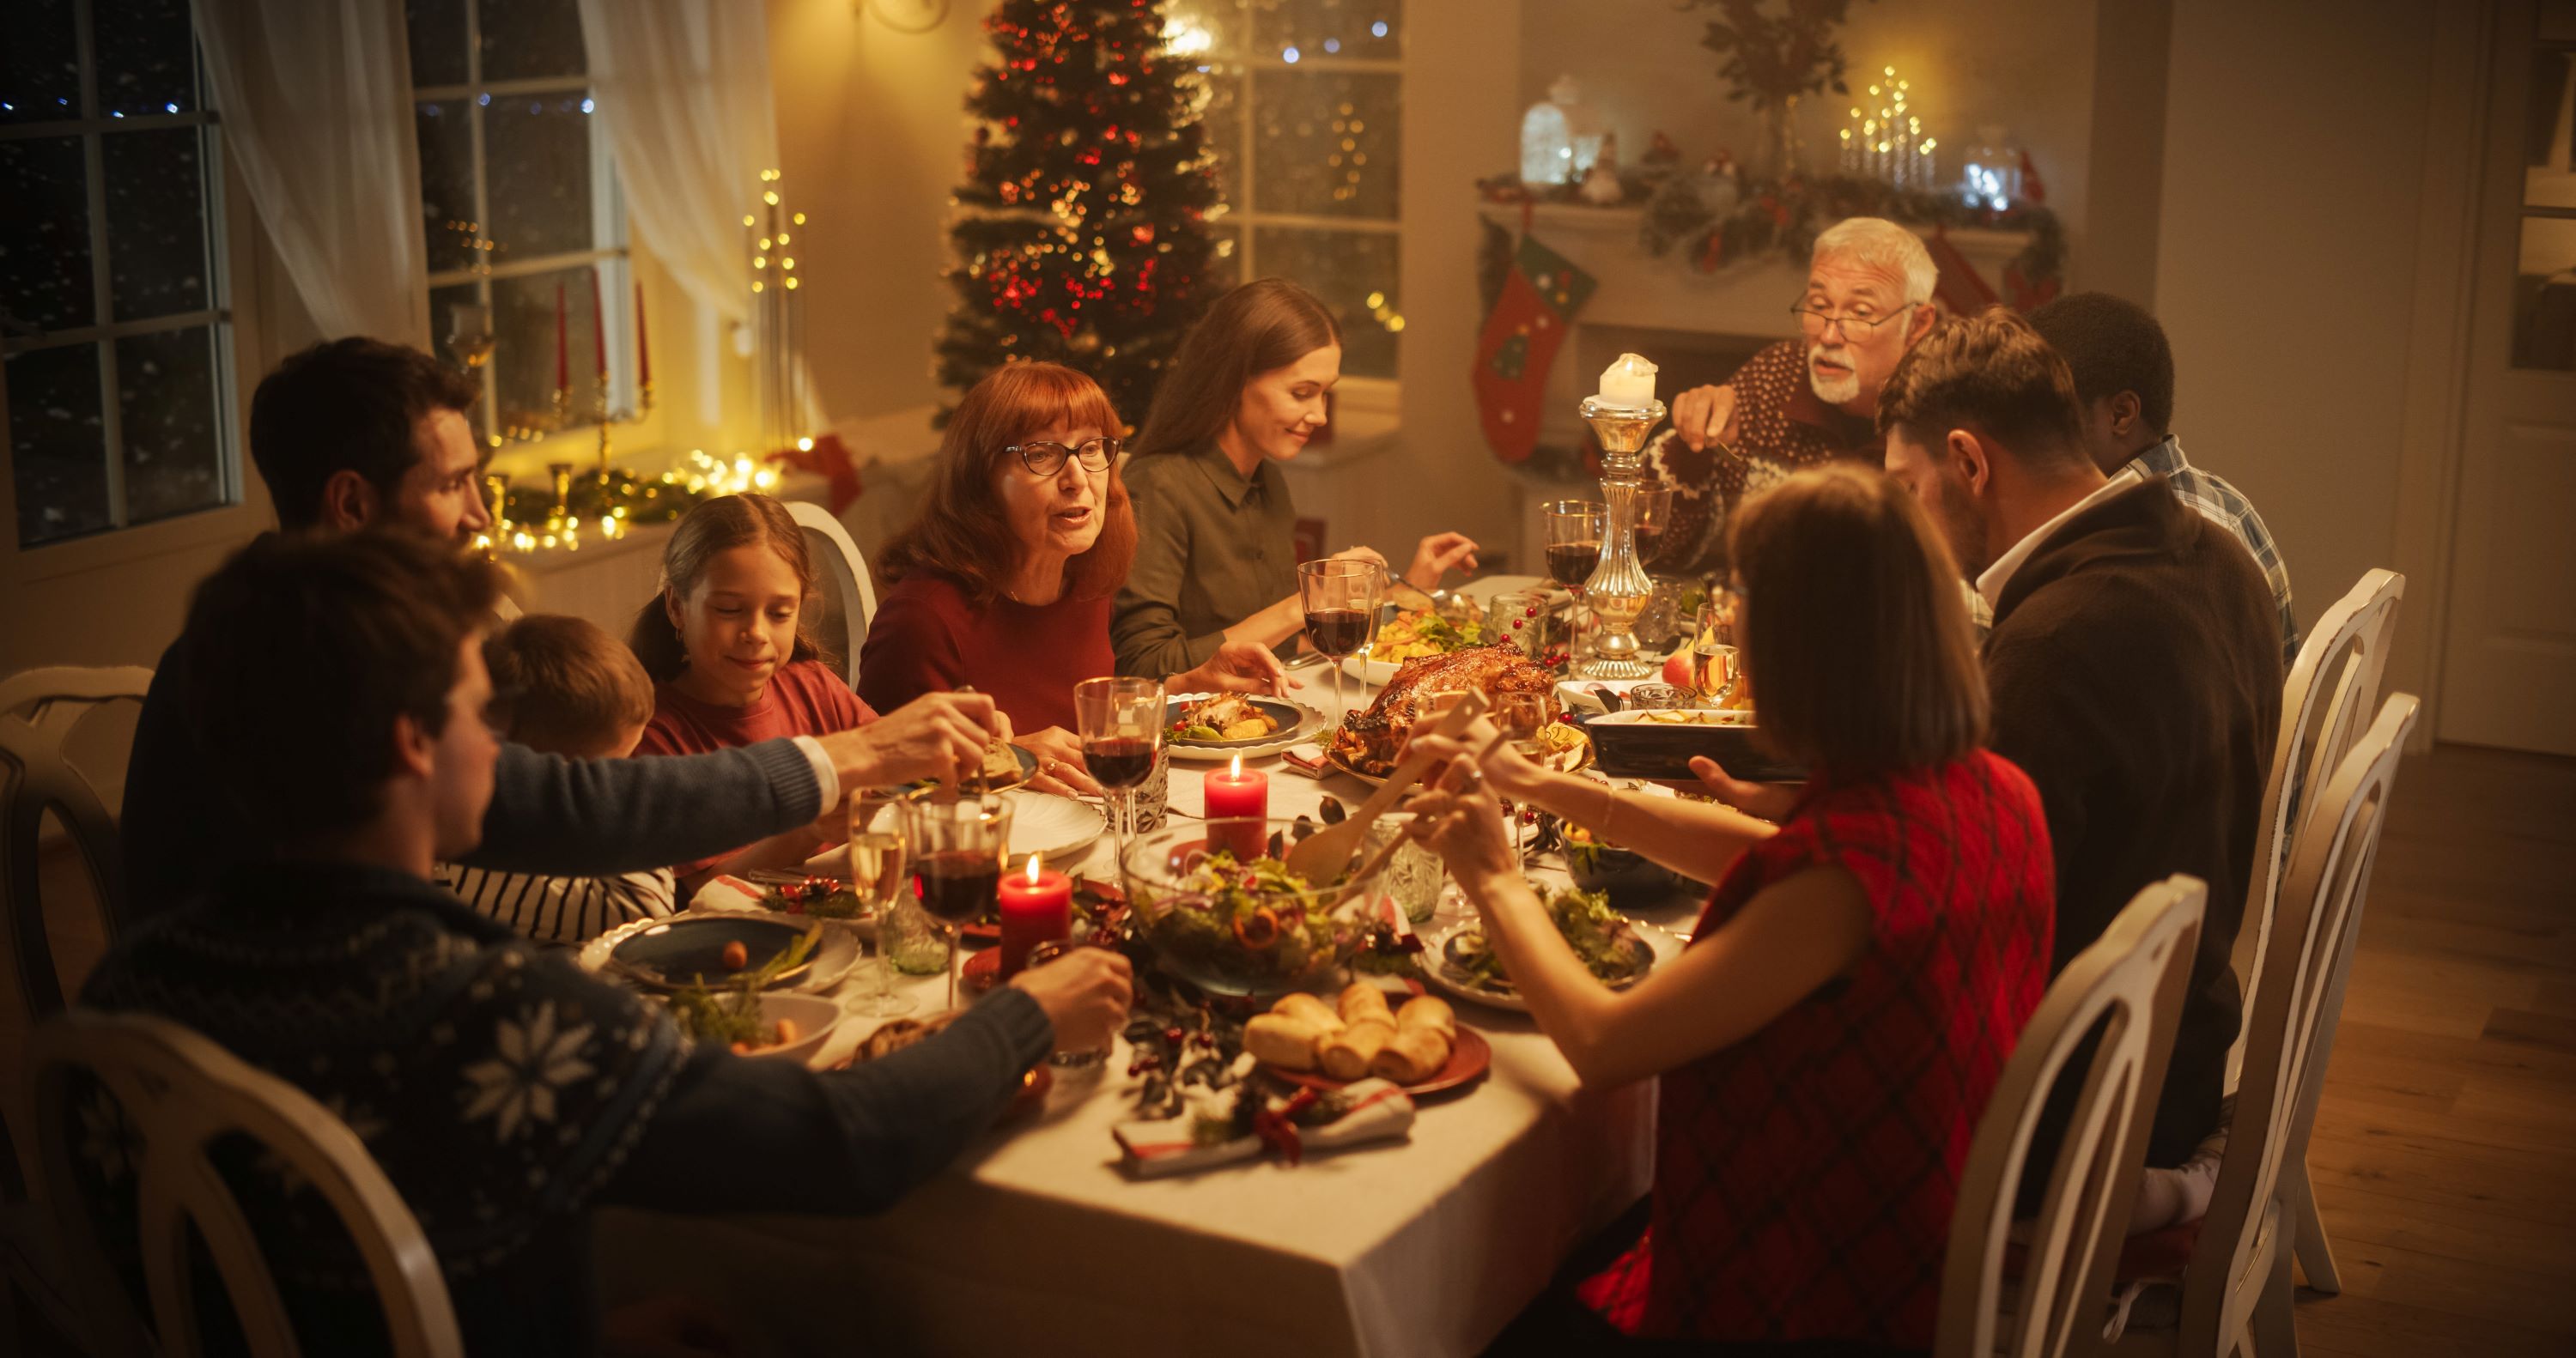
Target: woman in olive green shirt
[(1216, 559)]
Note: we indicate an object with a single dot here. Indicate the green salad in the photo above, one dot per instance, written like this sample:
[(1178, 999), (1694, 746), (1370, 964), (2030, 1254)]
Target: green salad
[(1255, 921), (1601, 936)]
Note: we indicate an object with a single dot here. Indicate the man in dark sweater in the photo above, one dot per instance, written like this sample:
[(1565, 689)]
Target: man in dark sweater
[(2134, 666), (503, 1091), (356, 434)]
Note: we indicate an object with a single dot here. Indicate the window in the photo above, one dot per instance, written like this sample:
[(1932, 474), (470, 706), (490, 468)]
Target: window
[(112, 320), (519, 203), (1305, 117)]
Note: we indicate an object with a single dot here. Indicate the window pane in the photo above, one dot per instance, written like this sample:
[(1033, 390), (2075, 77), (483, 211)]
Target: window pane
[(452, 312), (1329, 28), (57, 443), (156, 221), (437, 30), (1223, 134), (165, 396), (44, 236), (39, 65), (447, 184), (1204, 28), (1325, 143), (146, 59), (536, 148), (2544, 296), (2549, 146), (523, 320), (523, 39), (1354, 273)]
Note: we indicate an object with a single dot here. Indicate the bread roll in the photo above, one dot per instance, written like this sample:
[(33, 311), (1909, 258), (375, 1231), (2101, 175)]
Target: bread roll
[(1428, 1011), (1346, 1054), (1304, 1006), (1283, 1040), (1413, 1055), (1362, 1002)]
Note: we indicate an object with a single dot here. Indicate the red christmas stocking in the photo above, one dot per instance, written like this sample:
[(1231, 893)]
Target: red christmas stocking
[(1519, 344)]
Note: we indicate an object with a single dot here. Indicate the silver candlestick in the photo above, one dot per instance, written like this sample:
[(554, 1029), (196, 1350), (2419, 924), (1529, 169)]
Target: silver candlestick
[(1619, 587)]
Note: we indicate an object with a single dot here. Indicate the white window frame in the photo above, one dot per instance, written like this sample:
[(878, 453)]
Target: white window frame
[(608, 213), (1239, 215), (121, 540)]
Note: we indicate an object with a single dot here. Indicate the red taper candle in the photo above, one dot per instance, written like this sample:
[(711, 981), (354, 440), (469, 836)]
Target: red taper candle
[(643, 351)]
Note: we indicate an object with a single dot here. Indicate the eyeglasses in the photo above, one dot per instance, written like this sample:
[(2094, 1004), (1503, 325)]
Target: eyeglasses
[(1819, 321), (1046, 459)]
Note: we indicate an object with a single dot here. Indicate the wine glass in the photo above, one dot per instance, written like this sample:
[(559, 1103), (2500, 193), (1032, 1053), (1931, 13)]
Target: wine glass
[(1654, 515), (1340, 597), (1520, 717), (876, 874), (1717, 668), (957, 851), (1574, 542), (1121, 723)]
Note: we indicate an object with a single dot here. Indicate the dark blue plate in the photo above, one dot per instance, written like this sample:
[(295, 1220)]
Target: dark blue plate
[(670, 956), (1284, 713), (1625, 746)]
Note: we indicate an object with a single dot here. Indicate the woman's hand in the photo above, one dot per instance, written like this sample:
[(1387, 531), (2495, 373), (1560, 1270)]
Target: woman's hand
[(1465, 827), (1770, 801), (1060, 767), (1368, 554), (1237, 667), (1436, 555), (1511, 773)]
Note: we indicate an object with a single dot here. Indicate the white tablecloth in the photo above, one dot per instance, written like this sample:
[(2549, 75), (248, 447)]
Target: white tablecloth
[(1036, 1242)]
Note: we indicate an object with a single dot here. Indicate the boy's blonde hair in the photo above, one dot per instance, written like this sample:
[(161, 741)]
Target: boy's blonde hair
[(570, 687)]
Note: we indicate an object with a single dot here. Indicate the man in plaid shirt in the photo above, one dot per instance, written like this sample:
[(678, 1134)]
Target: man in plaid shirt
[(2124, 375)]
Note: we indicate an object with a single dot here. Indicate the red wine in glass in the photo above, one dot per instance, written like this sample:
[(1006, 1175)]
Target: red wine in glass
[(1572, 563), (958, 886), (1337, 631), (1119, 761)]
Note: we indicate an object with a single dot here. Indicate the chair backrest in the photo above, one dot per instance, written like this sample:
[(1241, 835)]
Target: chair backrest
[(181, 1092), (2331, 689), (2129, 987), (2289, 1029), (852, 595), (38, 709)]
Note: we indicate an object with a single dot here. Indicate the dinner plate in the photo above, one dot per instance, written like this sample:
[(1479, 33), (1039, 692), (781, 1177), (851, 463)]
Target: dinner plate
[(1469, 1057), (1297, 722), (676, 947), (1028, 770), (1556, 763), (1661, 945)]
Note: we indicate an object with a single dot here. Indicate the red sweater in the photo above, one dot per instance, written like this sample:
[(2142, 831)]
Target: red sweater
[(804, 699), (927, 637)]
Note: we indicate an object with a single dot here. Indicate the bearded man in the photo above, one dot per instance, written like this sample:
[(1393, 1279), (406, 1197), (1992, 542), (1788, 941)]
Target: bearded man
[(1801, 402)]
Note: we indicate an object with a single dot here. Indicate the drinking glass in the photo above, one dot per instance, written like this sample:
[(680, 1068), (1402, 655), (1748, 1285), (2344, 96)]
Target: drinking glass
[(1654, 515), (1717, 668), (1520, 717), (1121, 723), (957, 851), (1574, 529), (1341, 601), (877, 875), (1520, 618)]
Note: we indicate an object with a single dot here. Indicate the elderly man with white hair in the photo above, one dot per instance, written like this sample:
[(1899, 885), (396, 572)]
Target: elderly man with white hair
[(1801, 402)]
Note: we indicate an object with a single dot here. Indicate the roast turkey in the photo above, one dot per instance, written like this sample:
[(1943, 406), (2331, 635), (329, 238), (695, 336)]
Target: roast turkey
[(1371, 741)]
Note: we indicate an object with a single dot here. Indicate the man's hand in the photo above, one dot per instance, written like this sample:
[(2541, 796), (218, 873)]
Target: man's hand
[(1085, 994), (933, 736), (1702, 414), (1436, 555), (1237, 667)]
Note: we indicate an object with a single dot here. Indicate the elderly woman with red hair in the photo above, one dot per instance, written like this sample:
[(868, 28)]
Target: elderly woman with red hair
[(1004, 581)]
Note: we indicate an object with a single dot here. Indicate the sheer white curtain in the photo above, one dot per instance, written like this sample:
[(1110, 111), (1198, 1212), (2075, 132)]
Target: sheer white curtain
[(683, 91), (315, 103)]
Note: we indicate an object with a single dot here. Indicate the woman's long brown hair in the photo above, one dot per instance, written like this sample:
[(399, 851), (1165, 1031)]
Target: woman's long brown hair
[(1252, 330), (719, 525), (1856, 635), (962, 531)]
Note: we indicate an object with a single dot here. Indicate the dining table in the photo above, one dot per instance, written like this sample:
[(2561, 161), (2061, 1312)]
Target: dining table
[(1037, 1240)]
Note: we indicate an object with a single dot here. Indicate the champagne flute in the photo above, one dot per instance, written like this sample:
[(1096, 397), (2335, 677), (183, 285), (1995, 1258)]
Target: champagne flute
[(957, 851), (1574, 530), (1341, 598), (877, 875), (1121, 723)]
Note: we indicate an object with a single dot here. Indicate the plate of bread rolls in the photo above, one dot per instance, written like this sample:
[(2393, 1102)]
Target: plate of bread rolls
[(1324, 1044)]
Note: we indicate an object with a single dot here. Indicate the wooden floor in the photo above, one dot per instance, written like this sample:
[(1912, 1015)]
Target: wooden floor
[(2445, 1150)]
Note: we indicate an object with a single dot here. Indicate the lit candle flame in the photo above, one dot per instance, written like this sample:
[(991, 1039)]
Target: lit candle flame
[(1237, 770), (1033, 869)]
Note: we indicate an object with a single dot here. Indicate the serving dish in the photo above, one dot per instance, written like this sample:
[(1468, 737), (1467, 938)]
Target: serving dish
[(1661, 744), (1246, 929), (1470, 1056)]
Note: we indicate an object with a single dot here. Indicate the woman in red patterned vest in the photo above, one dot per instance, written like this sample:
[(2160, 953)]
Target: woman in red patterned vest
[(1827, 1042)]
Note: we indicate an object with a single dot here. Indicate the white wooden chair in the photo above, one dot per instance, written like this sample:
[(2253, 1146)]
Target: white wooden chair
[(2331, 690), (2237, 1287), (2129, 985), (38, 709), (849, 594), (183, 1092)]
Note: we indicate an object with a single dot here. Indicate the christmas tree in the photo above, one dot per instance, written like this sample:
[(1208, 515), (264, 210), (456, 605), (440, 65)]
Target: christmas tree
[(1081, 234)]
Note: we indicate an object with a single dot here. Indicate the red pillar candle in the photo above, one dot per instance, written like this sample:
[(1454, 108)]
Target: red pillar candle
[(643, 351), (1239, 793), (1036, 908)]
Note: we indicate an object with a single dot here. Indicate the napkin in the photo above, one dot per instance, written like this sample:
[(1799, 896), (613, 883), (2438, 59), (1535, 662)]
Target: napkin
[(1307, 759), (729, 893), (1374, 1110)]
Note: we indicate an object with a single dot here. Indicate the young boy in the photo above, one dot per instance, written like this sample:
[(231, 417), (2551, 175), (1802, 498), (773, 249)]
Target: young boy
[(571, 689)]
